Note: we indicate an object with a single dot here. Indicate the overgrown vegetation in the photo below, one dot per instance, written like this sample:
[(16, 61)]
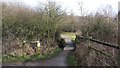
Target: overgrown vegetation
[(47, 22), (21, 23), (102, 26)]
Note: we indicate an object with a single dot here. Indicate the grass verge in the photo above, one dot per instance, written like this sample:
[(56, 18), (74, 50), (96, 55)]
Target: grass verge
[(35, 57), (71, 59)]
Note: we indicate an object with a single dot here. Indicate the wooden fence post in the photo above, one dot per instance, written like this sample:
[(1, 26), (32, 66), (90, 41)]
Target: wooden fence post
[(38, 47), (23, 48)]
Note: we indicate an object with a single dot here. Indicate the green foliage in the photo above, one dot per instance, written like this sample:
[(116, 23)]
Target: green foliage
[(54, 53), (14, 58), (72, 61)]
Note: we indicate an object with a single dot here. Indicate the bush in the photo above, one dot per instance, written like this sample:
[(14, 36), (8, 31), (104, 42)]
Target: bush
[(23, 23)]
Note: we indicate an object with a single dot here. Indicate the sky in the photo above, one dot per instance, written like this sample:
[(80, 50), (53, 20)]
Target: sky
[(72, 5)]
